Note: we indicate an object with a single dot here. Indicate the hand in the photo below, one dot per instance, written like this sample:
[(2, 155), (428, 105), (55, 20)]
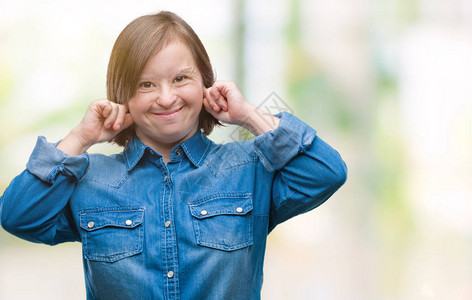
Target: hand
[(102, 122), (226, 103)]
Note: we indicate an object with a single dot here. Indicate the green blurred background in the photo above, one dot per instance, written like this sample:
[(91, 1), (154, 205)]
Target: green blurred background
[(388, 83)]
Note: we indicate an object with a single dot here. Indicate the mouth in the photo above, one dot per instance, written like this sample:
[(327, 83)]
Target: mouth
[(168, 114)]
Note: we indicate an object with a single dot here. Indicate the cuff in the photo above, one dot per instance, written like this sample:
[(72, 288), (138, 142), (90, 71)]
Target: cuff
[(47, 162), (277, 147)]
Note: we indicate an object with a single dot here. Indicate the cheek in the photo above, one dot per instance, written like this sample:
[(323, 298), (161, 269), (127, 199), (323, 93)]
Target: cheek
[(138, 104), (193, 95)]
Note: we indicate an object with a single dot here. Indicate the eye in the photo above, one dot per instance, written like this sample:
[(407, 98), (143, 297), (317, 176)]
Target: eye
[(179, 79), (146, 85)]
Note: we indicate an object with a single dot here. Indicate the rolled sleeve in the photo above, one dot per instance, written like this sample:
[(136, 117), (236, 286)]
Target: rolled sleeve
[(277, 147), (47, 162)]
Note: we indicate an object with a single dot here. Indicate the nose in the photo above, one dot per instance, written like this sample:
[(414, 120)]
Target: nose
[(166, 97)]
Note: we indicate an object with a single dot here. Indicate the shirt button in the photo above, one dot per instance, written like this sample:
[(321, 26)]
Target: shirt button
[(91, 224), (128, 222), (167, 224), (203, 212), (165, 178), (177, 152), (239, 209), (170, 274)]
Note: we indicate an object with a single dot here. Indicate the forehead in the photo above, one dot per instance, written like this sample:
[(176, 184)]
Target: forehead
[(174, 55)]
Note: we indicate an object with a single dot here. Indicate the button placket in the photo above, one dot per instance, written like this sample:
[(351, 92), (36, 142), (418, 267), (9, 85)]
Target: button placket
[(170, 239)]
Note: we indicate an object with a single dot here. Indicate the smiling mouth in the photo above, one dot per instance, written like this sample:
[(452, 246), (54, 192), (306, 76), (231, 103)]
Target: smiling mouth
[(168, 114)]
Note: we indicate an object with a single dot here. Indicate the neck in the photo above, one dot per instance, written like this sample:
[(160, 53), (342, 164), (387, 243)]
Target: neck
[(165, 153), (164, 148)]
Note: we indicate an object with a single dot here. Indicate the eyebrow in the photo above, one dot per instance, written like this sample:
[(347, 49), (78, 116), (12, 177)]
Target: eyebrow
[(146, 77), (187, 71)]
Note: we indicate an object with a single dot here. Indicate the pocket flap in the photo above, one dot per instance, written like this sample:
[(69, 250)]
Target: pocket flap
[(117, 217), (223, 204)]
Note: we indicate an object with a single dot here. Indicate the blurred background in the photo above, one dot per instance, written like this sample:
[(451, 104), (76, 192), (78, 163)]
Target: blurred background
[(388, 83)]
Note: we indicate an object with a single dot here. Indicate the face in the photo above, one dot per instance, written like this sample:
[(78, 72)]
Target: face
[(168, 99)]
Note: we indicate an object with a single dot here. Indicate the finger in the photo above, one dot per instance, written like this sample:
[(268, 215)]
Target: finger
[(207, 105), (120, 117), (222, 102), (214, 90), (211, 100), (110, 120), (127, 121), (106, 108), (222, 88), (218, 92), (218, 98), (210, 108)]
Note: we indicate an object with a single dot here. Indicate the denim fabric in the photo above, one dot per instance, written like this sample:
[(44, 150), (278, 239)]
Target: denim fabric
[(194, 228)]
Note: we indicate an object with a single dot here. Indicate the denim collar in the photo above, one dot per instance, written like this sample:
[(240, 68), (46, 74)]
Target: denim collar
[(196, 148)]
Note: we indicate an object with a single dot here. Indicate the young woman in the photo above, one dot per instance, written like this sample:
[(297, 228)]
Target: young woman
[(173, 216)]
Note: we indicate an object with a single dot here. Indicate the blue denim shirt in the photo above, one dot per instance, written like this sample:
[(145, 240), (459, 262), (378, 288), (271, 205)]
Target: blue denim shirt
[(194, 228)]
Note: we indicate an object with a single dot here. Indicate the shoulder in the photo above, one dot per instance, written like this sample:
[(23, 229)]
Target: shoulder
[(107, 169), (102, 160), (231, 155)]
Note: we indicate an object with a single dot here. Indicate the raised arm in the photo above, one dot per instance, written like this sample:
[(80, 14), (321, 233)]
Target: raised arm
[(308, 170), (102, 122), (35, 204)]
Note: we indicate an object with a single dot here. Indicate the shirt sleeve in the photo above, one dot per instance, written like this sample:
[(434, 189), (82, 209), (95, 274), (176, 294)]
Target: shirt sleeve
[(47, 162), (307, 170), (35, 206)]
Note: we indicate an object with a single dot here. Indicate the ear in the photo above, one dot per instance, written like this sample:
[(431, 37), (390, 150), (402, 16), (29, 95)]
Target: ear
[(128, 121)]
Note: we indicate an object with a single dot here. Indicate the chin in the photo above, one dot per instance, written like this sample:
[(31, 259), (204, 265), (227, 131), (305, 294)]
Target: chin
[(175, 137)]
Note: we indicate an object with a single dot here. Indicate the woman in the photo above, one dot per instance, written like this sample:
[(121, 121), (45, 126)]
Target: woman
[(173, 216)]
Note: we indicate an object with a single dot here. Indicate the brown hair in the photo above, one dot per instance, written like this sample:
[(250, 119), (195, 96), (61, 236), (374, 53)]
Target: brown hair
[(141, 39)]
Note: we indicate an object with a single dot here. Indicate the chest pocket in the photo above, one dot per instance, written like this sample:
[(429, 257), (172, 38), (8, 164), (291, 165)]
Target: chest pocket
[(223, 221), (112, 234)]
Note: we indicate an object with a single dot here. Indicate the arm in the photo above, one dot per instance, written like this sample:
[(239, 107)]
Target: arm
[(35, 204), (308, 171)]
